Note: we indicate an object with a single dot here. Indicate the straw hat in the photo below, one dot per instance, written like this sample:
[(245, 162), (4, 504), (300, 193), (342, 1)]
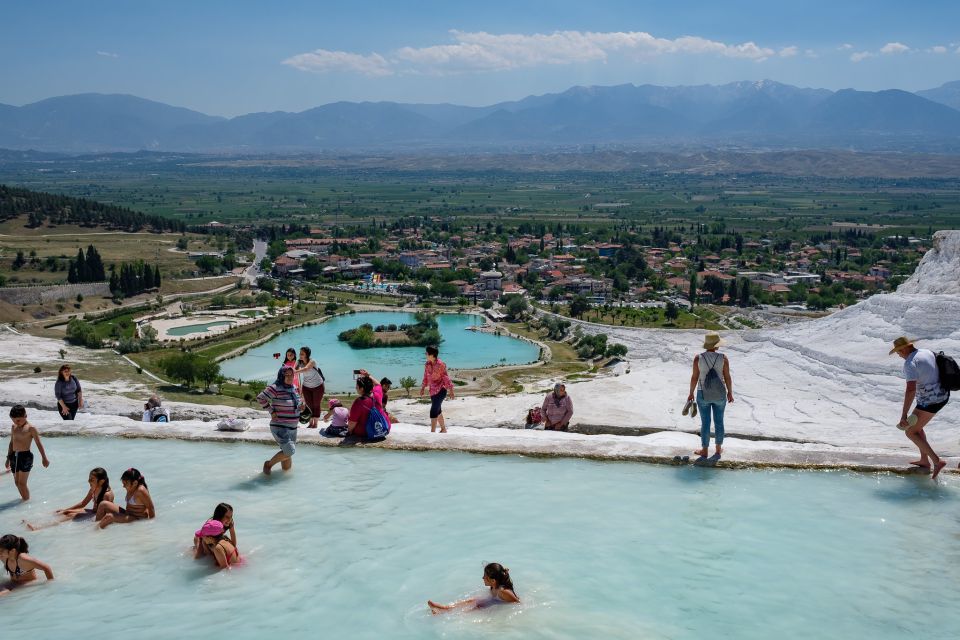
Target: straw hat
[(711, 341), (900, 343)]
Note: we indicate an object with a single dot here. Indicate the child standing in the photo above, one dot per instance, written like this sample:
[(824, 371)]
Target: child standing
[(19, 456)]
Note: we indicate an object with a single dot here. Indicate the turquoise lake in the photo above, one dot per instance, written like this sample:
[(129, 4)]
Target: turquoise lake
[(460, 349), (353, 542)]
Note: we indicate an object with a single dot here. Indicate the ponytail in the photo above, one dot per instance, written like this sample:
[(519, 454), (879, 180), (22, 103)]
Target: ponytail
[(499, 574), (132, 475), (11, 542), (100, 474)]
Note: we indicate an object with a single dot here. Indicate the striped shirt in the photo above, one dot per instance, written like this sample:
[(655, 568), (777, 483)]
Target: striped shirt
[(284, 403)]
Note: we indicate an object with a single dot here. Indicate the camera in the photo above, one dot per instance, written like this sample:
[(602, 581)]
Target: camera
[(276, 356)]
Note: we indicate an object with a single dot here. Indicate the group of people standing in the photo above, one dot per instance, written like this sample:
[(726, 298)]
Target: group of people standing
[(296, 397)]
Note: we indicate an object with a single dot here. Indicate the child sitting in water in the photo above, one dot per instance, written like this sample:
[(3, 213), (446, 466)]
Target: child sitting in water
[(99, 491), (138, 500), (21, 568), (211, 537), (224, 515), (19, 457), (497, 578)]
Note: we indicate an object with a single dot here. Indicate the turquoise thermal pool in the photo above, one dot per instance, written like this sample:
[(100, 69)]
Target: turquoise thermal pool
[(353, 542), (188, 329), (460, 349)]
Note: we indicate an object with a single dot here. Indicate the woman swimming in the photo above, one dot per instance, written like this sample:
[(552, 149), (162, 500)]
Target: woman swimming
[(139, 504), (21, 568), (211, 537), (99, 492), (497, 578)]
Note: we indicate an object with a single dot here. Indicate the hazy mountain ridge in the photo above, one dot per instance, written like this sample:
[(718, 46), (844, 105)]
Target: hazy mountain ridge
[(763, 114)]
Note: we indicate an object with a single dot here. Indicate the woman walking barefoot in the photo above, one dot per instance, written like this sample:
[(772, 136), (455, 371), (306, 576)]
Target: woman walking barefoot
[(436, 379), (711, 371), (497, 578)]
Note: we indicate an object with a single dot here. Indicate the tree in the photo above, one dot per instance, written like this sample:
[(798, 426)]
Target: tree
[(408, 383), (616, 350), (672, 312), (207, 370), (156, 276), (516, 306), (19, 261), (693, 288), (486, 304), (578, 306), (82, 333)]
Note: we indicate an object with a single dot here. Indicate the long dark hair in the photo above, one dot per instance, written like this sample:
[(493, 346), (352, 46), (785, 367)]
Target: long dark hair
[(60, 372), (365, 385), (221, 511), (11, 542), (500, 575), (101, 474), (132, 475), (286, 356)]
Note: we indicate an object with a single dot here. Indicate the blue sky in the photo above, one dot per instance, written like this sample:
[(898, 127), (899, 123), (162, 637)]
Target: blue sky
[(229, 58)]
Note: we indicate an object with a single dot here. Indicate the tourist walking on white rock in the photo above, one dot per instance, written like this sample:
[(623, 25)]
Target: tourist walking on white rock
[(311, 385), (284, 404), (436, 379), (68, 392), (923, 385), (711, 372), (557, 409)]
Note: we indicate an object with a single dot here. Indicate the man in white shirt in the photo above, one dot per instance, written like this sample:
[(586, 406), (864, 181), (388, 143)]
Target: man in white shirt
[(923, 384)]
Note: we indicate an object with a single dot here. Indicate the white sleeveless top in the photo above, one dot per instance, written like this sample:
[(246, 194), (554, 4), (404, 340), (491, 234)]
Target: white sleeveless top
[(311, 378), (711, 360)]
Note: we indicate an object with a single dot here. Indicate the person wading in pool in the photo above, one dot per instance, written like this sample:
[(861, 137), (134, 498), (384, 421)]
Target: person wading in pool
[(436, 379), (923, 384), (284, 404)]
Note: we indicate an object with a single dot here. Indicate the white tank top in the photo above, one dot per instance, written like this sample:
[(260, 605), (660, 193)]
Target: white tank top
[(710, 360), (311, 378)]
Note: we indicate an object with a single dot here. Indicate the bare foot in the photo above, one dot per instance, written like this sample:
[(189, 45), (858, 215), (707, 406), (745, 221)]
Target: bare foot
[(937, 468), (444, 430), (266, 467), (435, 608), (30, 526), (700, 452)]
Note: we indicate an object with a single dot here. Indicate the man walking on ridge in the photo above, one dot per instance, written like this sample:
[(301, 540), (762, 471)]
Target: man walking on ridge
[(923, 384)]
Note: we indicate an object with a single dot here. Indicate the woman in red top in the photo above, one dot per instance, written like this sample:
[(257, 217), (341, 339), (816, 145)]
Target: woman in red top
[(435, 377), (360, 409)]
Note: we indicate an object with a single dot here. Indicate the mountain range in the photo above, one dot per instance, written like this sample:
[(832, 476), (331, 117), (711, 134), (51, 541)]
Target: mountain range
[(745, 115)]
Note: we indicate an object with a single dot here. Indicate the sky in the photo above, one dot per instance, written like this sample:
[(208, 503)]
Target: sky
[(234, 57)]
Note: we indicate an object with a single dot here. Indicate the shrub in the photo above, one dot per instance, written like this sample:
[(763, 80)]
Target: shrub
[(36, 369)]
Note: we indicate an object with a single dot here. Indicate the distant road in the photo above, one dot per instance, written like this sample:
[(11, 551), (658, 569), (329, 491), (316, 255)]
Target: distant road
[(259, 253)]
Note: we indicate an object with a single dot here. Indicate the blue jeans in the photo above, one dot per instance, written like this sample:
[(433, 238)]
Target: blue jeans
[(704, 409)]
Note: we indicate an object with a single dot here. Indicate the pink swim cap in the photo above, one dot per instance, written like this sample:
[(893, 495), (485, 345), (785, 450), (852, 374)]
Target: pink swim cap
[(210, 528)]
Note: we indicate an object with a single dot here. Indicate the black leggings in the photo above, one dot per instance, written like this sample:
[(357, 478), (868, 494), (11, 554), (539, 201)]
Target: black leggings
[(72, 406), (435, 402)]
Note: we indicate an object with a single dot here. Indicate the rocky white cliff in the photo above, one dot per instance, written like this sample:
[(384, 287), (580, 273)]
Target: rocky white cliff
[(939, 271)]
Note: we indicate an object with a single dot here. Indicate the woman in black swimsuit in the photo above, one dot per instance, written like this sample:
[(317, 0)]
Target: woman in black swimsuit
[(21, 567)]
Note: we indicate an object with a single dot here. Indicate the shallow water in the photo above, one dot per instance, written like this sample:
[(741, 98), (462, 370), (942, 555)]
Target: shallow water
[(460, 349), (353, 542), (187, 329)]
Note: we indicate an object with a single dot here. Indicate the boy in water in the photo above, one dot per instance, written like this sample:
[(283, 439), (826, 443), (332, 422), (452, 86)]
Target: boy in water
[(19, 456)]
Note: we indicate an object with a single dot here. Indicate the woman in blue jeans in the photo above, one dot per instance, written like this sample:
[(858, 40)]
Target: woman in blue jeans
[(703, 364)]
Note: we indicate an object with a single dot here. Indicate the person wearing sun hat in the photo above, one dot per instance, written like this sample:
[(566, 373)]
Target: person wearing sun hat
[(711, 372), (211, 536), (923, 385)]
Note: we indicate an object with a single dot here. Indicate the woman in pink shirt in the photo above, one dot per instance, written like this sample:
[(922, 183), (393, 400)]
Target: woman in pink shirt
[(436, 379)]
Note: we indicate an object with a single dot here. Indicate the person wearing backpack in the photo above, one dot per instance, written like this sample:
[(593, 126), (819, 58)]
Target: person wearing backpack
[(154, 412), (711, 371), (311, 385), (368, 419), (923, 385)]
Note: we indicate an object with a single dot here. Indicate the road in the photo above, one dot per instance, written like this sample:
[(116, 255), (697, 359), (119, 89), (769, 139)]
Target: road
[(259, 253)]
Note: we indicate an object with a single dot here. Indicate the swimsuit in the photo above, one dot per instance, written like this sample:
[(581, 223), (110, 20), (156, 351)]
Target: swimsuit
[(20, 461), (18, 573), (132, 502)]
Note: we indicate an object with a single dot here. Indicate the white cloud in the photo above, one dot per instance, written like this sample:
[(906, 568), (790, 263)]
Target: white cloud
[(846, 46), (894, 48), (810, 53), (789, 52), (482, 51), (323, 61), (107, 54), (860, 55), (937, 49)]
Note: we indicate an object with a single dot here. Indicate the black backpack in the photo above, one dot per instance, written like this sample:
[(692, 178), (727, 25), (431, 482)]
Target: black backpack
[(949, 372)]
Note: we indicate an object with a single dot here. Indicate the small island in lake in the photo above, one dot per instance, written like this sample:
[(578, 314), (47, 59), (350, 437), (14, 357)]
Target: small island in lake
[(424, 332)]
